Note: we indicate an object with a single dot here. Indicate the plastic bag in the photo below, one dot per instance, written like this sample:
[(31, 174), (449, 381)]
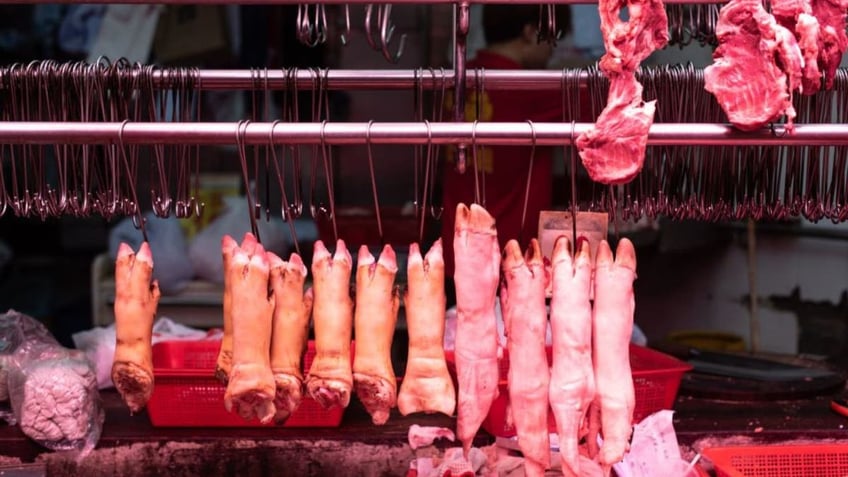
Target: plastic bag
[(15, 329), (205, 249), (98, 344), (53, 390), (172, 267)]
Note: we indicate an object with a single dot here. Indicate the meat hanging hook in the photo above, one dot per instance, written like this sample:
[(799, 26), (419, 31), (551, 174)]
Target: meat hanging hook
[(386, 32), (427, 159), (241, 131), (374, 182), (475, 164), (285, 208), (345, 36), (369, 12), (418, 115), (137, 218), (529, 180)]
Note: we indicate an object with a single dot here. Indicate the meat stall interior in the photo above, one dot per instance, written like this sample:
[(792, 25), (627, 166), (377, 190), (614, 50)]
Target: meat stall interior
[(423, 238)]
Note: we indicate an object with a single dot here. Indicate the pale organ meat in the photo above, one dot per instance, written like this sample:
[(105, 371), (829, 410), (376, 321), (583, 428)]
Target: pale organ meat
[(225, 356), (136, 299), (290, 332), (422, 436), (427, 386), (612, 326), (330, 377), (529, 375), (832, 38), (375, 317), (613, 151), (572, 387), (796, 15), (476, 276), (251, 389), (752, 88)]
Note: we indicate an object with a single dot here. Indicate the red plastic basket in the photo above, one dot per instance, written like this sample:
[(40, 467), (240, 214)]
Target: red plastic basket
[(186, 393), (823, 460), (656, 378)]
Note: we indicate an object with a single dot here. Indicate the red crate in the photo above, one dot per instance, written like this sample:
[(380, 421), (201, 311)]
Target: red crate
[(821, 460), (187, 394), (656, 378)]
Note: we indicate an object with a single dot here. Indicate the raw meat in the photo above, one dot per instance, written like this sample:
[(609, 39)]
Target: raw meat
[(290, 332), (529, 374), (628, 43), (751, 85), (613, 151), (375, 317), (330, 377), (832, 38), (796, 15), (612, 327), (477, 260), (422, 436), (251, 389), (225, 356), (572, 386), (136, 300), (426, 385)]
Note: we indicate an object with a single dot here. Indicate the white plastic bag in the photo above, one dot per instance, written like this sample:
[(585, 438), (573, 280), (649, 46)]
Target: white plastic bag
[(205, 249), (98, 344), (171, 266)]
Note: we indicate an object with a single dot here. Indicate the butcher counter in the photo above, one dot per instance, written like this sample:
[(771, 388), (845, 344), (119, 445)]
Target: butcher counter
[(131, 446)]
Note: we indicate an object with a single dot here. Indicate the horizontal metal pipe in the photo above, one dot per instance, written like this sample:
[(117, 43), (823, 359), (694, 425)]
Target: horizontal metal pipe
[(334, 2), (484, 133)]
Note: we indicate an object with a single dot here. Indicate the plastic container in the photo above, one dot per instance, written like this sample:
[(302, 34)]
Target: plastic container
[(708, 340), (656, 378), (823, 460), (186, 393)]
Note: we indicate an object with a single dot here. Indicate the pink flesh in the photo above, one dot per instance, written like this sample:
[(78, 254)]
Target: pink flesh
[(629, 43), (476, 276), (613, 151), (529, 375), (572, 376), (612, 326), (832, 40), (744, 76)]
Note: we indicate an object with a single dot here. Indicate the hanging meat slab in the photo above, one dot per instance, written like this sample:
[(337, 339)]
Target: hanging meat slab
[(628, 43), (832, 38), (375, 318), (476, 276), (290, 332), (751, 85), (612, 327), (796, 15), (572, 387), (613, 151), (136, 300), (330, 377), (251, 389), (529, 374), (427, 386)]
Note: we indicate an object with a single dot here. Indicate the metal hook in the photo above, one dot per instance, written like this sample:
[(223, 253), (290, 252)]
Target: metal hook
[(477, 197), (369, 11), (373, 180), (285, 209), (345, 37), (529, 180), (386, 36), (241, 131), (138, 219)]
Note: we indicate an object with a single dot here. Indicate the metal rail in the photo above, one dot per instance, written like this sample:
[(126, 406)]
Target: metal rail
[(503, 134), (337, 2)]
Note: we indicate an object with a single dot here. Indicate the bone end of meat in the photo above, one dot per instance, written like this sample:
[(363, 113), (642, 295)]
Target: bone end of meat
[(436, 254), (561, 252), (251, 393), (512, 256), (134, 383), (625, 255), (364, 259), (474, 218), (377, 394), (249, 243), (342, 254), (228, 244), (124, 251), (288, 396), (423, 436), (320, 252), (329, 393), (144, 255)]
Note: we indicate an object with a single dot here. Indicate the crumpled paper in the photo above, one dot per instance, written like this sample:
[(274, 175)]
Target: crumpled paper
[(452, 464), (99, 344), (654, 446)]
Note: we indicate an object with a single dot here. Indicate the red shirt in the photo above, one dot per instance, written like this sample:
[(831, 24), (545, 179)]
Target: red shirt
[(505, 167)]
